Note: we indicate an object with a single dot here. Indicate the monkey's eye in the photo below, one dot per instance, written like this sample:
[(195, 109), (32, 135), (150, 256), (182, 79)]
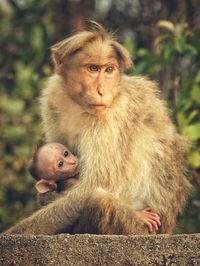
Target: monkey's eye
[(60, 164), (66, 153), (92, 68), (109, 69)]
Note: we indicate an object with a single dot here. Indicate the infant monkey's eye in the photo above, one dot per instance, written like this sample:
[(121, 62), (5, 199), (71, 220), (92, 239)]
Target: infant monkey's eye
[(66, 153), (60, 164)]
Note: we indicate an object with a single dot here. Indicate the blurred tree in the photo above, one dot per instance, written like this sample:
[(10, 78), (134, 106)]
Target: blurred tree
[(162, 36)]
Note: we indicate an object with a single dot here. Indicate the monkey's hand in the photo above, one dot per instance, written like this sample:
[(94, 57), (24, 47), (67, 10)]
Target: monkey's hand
[(149, 218), (48, 197)]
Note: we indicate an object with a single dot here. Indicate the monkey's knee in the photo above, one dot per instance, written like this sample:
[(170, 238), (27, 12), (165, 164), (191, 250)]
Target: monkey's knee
[(93, 214), (104, 214)]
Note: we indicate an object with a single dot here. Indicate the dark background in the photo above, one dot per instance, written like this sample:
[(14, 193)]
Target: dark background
[(163, 38)]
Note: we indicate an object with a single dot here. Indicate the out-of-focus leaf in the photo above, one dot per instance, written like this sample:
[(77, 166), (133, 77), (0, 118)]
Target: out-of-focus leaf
[(18, 164), (192, 131), (22, 150), (14, 133), (194, 159), (37, 38), (181, 119), (192, 115), (166, 24), (12, 106), (142, 52), (191, 49), (197, 78), (196, 93), (129, 44), (168, 52), (196, 203), (179, 43), (161, 38)]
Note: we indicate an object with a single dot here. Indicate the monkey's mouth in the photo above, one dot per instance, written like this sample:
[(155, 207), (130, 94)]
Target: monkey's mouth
[(75, 171), (97, 107)]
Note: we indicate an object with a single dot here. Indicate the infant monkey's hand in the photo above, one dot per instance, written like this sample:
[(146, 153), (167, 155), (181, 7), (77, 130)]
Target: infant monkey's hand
[(149, 218)]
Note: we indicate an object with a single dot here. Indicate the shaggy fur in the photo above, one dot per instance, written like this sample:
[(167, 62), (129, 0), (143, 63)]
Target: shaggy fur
[(131, 155)]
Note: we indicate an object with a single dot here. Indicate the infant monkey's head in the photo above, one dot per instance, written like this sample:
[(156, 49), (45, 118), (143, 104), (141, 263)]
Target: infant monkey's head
[(53, 161)]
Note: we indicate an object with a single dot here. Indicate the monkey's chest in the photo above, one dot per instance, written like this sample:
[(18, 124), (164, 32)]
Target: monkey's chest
[(70, 129)]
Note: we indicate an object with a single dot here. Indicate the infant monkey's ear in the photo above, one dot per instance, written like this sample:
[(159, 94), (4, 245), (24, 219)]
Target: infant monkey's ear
[(44, 186), (31, 166)]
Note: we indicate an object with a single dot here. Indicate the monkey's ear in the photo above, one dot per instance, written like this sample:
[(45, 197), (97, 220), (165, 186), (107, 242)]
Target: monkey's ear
[(69, 46), (57, 61), (44, 186), (123, 56)]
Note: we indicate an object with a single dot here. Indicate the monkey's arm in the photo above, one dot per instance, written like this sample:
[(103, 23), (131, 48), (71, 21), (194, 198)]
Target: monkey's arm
[(48, 197), (96, 212), (55, 217), (105, 214)]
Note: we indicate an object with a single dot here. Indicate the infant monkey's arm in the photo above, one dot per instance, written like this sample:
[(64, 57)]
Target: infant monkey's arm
[(48, 197)]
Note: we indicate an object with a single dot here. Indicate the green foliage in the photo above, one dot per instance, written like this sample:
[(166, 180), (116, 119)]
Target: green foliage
[(22, 58)]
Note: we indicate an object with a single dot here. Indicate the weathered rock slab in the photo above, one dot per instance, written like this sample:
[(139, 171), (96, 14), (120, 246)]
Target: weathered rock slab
[(97, 250)]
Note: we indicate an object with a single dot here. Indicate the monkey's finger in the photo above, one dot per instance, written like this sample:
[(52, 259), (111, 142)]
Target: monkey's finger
[(155, 219), (150, 227), (154, 215), (154, 225), (149, 212)]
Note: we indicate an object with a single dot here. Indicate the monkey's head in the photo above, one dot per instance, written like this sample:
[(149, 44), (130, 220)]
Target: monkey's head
[(91, 63), (53, 161)]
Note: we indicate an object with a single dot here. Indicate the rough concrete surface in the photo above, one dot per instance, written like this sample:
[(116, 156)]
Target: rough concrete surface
[(100, 250)]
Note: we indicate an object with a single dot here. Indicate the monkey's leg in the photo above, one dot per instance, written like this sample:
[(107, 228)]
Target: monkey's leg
[(104, 214)]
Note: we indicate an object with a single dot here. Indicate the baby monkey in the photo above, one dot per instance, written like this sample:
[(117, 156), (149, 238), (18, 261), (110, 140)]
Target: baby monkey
[(56, 169)]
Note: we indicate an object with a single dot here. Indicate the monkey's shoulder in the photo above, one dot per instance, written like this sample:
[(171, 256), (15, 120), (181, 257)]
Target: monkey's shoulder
[(144, 97), (141, 84), (53, 93)]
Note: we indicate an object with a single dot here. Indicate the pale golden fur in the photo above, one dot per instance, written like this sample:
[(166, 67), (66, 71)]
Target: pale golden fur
[(131, 155)]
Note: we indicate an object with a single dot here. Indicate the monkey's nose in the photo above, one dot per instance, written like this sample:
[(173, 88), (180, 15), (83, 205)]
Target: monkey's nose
[(71, 162), (100, 91)]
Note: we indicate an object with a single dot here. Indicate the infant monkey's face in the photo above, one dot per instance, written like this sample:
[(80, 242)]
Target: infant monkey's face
[(57, 162)]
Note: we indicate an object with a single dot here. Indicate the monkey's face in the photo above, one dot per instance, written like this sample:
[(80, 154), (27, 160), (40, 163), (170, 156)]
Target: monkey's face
[(56, 162), (93, 76)]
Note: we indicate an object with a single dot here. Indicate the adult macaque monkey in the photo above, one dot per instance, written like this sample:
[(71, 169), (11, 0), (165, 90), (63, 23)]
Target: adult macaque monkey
[(131, 155)]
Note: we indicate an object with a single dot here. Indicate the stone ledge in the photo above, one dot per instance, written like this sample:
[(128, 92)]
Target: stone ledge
[(97, 250)]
